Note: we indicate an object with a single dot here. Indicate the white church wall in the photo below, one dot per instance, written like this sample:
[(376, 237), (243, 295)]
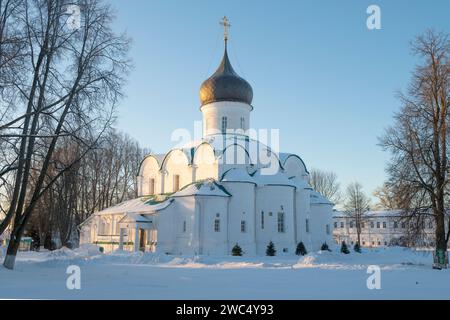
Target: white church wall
[(321, 216), (186, 240), (232, 111), (187, 226), (266, 161), (205, 162), (241, 208), (270, 200), (176, 164), (102, 231), (303, 207), (294, 167), (212, 241), (150, 169), (172, 237)]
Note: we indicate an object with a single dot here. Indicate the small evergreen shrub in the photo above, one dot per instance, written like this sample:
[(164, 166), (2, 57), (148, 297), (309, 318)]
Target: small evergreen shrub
[(271, 251), (325, 247), (344, 248), (301, 250), (357, 248), (236, 251)]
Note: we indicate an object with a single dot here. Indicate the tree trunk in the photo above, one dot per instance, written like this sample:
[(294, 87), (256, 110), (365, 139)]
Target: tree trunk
[(11, 253), (441, 243), (358, 228)]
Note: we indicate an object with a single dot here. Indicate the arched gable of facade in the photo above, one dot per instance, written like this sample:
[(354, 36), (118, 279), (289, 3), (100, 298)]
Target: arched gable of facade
[(149, 178), (205, 162), (268, 161), (235, 154), (294, 166), (176, 170)]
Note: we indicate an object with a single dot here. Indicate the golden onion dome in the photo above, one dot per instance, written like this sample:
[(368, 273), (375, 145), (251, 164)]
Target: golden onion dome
[(225, 85)]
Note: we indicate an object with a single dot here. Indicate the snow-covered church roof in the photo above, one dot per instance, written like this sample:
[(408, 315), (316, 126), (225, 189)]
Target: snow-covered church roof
[(138, 205), (149, 205), (238, 175), (133, 218), (259, 178), (300, 183), (283, 156), (317, 198), (207, 187), (278, 179)]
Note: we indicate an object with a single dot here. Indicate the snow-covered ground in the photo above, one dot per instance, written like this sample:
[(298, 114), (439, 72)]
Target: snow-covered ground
[(405, 274)]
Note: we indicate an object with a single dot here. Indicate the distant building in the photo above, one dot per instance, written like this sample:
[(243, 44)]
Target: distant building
[(383, 228)]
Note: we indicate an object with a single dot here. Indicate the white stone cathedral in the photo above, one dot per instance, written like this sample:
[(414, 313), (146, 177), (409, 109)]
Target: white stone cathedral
[(226, 189)]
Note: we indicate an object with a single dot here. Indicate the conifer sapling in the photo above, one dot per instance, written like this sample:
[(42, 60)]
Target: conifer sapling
[(301, 250), (344, 248), (271, 251), (236, 251)]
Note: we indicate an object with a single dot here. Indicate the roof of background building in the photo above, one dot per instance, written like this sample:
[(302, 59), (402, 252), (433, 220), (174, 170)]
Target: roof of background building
[(371, 213)]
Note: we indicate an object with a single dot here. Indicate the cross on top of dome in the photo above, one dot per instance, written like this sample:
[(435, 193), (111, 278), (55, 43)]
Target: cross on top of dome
[(225, 84), (226, 25)]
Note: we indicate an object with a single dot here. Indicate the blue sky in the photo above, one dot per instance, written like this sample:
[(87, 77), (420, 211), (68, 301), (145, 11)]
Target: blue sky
[(318, 74)]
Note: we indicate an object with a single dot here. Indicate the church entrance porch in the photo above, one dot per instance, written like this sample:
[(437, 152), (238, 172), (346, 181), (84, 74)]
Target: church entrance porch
[(135, 233)]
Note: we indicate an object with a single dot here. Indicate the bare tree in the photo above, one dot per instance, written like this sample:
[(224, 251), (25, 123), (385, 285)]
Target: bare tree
[(71, 82), (104, 177), (356, 204), (418, 141), (325, 182), (387, 198), (12, 57)]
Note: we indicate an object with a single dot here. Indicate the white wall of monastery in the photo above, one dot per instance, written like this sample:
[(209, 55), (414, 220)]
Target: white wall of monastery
[(242, 209), (209, 209), (302, 205), (320, 218), (270, 200), (171, 236)]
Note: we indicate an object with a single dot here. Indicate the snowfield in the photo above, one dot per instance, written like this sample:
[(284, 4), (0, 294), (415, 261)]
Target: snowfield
[(405, 274)]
